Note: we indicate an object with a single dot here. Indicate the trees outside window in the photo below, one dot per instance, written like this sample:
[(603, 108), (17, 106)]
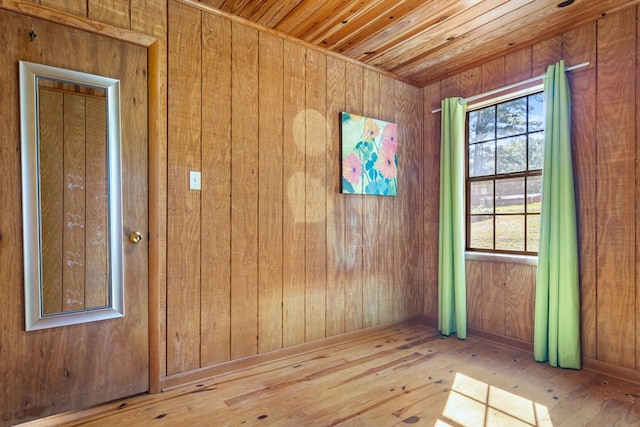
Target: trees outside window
[(505, 145)]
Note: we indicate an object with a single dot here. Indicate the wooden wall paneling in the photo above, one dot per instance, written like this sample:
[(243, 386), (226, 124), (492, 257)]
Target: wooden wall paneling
[(113, 12), (271, 60), (215, 246), (373, 251), (411, 173), (493, 294), (579, 46), (315, 194), (74, 7), (399, 211), (493, 74), (416, 154), (400, 216), (74, 203), (387, 227), (244, 191), (545, 53), (353, 215), (518, 66), (616, 190), (476, 301), (450, 87), (184, 155), (431, 199), (336, 282), (140, 12), (637, 199), (293, 229), (470, 82), (97, 258), (51, 199), (520, 293)]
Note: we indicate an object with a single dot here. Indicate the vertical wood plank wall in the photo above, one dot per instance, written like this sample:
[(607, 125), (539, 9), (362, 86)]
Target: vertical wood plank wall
[(269, 254), (311, 262), (500, 296)]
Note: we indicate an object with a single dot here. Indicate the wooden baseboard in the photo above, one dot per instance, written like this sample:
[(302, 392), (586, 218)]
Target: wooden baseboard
[(187, 378), (604, 368), (182, 379), (487, 336), (588, 364), (502, 340)]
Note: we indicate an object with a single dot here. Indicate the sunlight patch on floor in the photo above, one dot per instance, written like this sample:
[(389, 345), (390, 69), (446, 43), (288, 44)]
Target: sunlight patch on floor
[(474, 403)]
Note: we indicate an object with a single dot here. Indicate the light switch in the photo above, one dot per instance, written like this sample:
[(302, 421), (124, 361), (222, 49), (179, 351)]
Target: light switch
[(194, 180)]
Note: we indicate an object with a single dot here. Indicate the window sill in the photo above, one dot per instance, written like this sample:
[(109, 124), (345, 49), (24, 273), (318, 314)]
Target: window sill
[(511, 258)]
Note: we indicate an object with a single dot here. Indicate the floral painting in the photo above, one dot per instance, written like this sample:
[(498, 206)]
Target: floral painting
[(369, 155)]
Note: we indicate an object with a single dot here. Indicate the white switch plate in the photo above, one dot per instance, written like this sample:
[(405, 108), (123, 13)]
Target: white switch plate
[(194, 180)]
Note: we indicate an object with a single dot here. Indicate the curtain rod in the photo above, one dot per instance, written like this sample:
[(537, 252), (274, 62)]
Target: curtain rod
[(514, 85)]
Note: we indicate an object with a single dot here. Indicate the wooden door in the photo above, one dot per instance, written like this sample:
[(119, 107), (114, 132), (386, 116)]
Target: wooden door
[(55, 370)]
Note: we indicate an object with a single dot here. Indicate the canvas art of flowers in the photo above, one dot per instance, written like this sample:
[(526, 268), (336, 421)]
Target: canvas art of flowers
[(369, 155)]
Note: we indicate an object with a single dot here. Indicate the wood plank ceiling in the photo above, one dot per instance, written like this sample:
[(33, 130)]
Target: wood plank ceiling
[(421, 41)]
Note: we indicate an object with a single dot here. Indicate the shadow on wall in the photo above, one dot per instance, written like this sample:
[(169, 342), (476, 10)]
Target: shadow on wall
[(305, 124)]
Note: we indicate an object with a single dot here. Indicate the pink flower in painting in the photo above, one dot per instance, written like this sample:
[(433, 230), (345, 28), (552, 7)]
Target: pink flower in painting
[(387, 161), (389, 136), (371, 130), (352, 168)]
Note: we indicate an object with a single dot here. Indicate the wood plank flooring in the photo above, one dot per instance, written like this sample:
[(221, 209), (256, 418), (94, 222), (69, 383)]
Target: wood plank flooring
[(405, 374)]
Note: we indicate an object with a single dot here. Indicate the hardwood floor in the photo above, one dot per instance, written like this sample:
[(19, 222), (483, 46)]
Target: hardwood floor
[(406, 374)]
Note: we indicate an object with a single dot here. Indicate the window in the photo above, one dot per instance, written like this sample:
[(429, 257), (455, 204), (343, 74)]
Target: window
[(504, 175)]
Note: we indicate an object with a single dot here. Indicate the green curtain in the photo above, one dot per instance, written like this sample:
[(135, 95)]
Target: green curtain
[(452, 292), (557, 307)]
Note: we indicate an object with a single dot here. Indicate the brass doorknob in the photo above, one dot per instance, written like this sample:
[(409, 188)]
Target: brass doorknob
[(135, 237)]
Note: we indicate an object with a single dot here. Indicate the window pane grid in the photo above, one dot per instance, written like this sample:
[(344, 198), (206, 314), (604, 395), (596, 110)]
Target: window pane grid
[(504, 176)]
